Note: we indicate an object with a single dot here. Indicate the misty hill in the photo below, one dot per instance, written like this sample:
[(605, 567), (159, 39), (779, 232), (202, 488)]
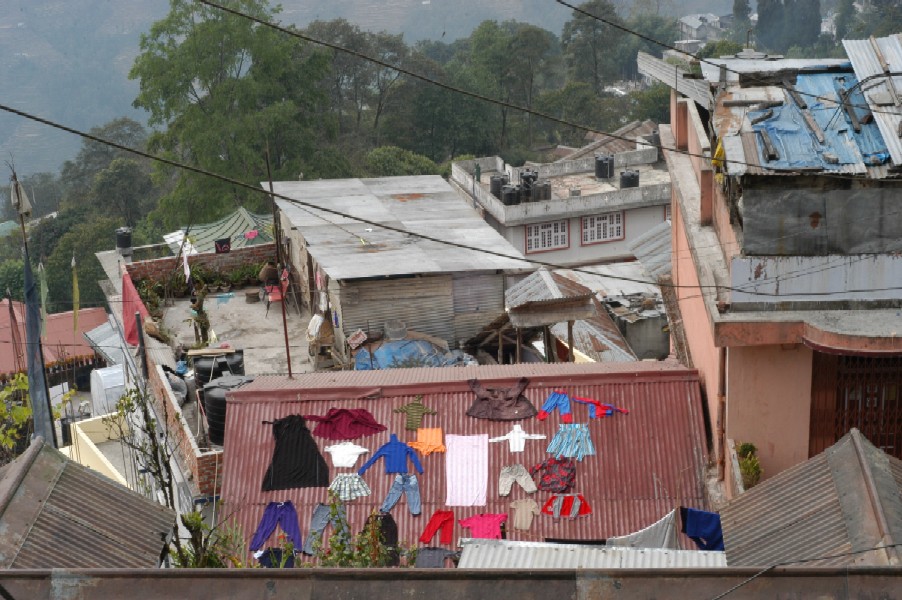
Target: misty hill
[(68, 60)]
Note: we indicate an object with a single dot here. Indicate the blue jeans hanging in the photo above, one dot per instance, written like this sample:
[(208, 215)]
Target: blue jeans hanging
[(406, 483)]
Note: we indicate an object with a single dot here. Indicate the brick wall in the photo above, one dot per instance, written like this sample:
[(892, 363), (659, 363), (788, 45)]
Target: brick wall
[(161, 268), (205, 466)]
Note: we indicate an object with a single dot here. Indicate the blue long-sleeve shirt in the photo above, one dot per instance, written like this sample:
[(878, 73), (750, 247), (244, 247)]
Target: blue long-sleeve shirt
[(395, 453)]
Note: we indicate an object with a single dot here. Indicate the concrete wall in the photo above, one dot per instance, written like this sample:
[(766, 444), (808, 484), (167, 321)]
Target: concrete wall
[(87, 433), (454, 584), (769, 402), (636, 222)]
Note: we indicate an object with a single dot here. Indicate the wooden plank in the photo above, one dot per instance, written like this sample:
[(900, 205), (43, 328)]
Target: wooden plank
[(813, 126), (210, 351)]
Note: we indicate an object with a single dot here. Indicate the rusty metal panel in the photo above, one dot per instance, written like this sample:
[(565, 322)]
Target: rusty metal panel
[(60, 514), (647, 462)]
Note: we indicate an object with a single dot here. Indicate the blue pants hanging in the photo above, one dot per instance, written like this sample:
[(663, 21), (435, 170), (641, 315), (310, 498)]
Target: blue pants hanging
[(282, 514)]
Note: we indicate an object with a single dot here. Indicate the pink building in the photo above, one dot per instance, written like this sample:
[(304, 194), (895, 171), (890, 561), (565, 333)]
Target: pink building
[(786, 242)]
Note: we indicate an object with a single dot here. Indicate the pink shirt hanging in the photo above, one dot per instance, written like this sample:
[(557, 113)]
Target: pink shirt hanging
[(485, 525)]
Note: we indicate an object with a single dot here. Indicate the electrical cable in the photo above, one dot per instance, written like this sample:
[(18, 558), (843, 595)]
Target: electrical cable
[(799, 562), (646, 38)]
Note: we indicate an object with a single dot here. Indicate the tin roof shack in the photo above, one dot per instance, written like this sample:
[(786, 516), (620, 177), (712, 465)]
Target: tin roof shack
[(570, 212), (363, 275), (646, 463), (840, 504), (786, 241), (57, 514), (642, 320)]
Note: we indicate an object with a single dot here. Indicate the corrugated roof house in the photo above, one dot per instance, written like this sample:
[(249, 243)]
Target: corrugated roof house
[(369, 275), (242, 228), (57, 514), (647, 462), (846, 499)]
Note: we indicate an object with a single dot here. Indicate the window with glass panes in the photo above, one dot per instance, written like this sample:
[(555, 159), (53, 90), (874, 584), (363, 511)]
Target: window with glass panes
[(603, 228), (546, 236)]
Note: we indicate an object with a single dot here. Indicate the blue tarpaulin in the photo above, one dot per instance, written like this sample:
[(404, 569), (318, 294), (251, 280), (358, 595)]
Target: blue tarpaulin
[(406, 353)]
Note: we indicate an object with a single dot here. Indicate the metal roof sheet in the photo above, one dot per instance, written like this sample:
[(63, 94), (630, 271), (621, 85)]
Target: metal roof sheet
[(647, 462), (243, 228), (877, 87), (606, 144), (427, 205), (105, 340), (671, 75), (55, 513), (829, 505), (506, 554), (653, 249)]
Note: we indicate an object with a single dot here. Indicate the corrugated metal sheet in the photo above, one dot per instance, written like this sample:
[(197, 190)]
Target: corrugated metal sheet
[(647, 462), (55, 513), (866, 63), (202, 238), (606, 144), (478, 300), (821, 507), (423, 303), (106, 341), (653, 250), (348, 249), (670, 75), (504, 554)]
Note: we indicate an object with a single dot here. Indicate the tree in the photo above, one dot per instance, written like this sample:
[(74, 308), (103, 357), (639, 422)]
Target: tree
[(719, 48), (845, 18), (390, 161), (15, 416), (769, 30), (125, 189), (742, 20), (82, 241), (12, 279), (224, 91), (587, 42)]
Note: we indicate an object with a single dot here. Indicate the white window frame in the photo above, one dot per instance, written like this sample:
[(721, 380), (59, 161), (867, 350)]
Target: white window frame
[(546, 237), (600, 229), (667, 213)]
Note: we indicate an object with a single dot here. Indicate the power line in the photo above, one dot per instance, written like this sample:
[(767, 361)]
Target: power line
[(800, 562), (528, 262), (646, 38)]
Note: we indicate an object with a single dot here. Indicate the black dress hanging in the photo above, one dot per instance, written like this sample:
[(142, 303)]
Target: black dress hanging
[(296, 461)]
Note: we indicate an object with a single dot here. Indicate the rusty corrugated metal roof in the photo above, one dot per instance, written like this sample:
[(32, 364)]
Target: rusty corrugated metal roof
[(647, 462), (836, 502), (55, 513)]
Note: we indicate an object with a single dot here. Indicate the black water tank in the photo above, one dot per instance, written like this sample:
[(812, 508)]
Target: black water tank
[(215, 404), (604, 167), (629, 179), (509, 195), (495, 184), (124, 241), (206, 369), (544, 188)]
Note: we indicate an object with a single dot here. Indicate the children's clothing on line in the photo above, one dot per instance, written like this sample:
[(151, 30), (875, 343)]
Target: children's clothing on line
[(396, 454), (466, 469), (573, 441), (567, 505), (555, 474), (296, 461), (428, 441), (516, 438), (345, 454), (345, 424), (485, 525), (349, 486), (599, 410), (432, 558), (505, 404), (408, 485), (321, 517), (282, 514), (443, 521), (556, 400), (512, 473), (415, 412), (524, 512)]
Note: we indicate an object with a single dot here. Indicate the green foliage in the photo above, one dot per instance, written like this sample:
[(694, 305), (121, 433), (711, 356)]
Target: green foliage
[(652, 103), (719, 48), (749, 466), (389, 161), (587, 44), (785, 23), (342, 549), (209, 548), (12, 279), (15, 416), (83, 241)]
